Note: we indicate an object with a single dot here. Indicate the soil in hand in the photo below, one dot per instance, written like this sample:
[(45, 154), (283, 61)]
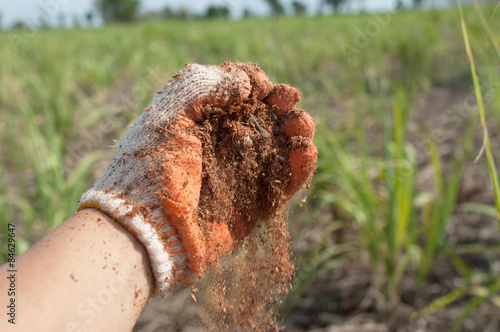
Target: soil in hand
[(245, 174)]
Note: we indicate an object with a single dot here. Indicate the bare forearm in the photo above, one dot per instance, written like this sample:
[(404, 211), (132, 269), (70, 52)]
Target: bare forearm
[(88, 272)]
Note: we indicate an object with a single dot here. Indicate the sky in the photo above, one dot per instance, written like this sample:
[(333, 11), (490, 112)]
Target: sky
[(31, 11)]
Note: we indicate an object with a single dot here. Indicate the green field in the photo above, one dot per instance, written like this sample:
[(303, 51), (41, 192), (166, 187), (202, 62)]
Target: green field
[(66, 94)]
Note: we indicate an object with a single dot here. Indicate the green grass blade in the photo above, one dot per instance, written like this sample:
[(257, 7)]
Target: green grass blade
[(474, 303), (477, 90), (439, 303), (487, 28), (327, 259), (478, 208)]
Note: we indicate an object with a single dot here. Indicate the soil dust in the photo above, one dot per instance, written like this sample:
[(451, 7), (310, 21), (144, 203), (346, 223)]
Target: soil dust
[(245, 173)]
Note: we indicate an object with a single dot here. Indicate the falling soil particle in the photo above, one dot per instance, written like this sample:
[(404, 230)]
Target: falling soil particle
[(246, 288), (194, 289)]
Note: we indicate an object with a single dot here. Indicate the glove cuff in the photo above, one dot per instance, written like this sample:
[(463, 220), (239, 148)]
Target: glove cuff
[(127, 214)]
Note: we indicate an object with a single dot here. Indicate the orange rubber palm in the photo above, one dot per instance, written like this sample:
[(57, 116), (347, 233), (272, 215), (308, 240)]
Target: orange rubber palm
[(152, 186)]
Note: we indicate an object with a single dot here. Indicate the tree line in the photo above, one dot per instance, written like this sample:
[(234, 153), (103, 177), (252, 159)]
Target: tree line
[(129, 10)]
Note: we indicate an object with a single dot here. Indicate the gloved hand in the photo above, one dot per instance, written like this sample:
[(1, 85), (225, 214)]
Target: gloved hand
[(152, 186)]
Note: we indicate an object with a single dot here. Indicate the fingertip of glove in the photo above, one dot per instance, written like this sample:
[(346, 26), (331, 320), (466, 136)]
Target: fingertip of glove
[(260, 82), (302, 166), (302, 125), (283, 97), (245, 86)]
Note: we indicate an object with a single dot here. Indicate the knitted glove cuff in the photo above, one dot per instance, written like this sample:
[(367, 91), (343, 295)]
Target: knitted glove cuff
[(164, 264)]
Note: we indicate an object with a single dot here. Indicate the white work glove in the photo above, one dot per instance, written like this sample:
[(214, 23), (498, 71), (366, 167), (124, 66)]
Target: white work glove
[(152, 185)]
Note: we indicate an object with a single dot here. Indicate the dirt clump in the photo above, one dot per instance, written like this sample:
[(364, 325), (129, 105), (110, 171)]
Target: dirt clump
[(244, 169)]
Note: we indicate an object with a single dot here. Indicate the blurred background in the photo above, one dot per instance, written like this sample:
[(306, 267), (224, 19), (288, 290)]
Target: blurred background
[(399, 231)]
